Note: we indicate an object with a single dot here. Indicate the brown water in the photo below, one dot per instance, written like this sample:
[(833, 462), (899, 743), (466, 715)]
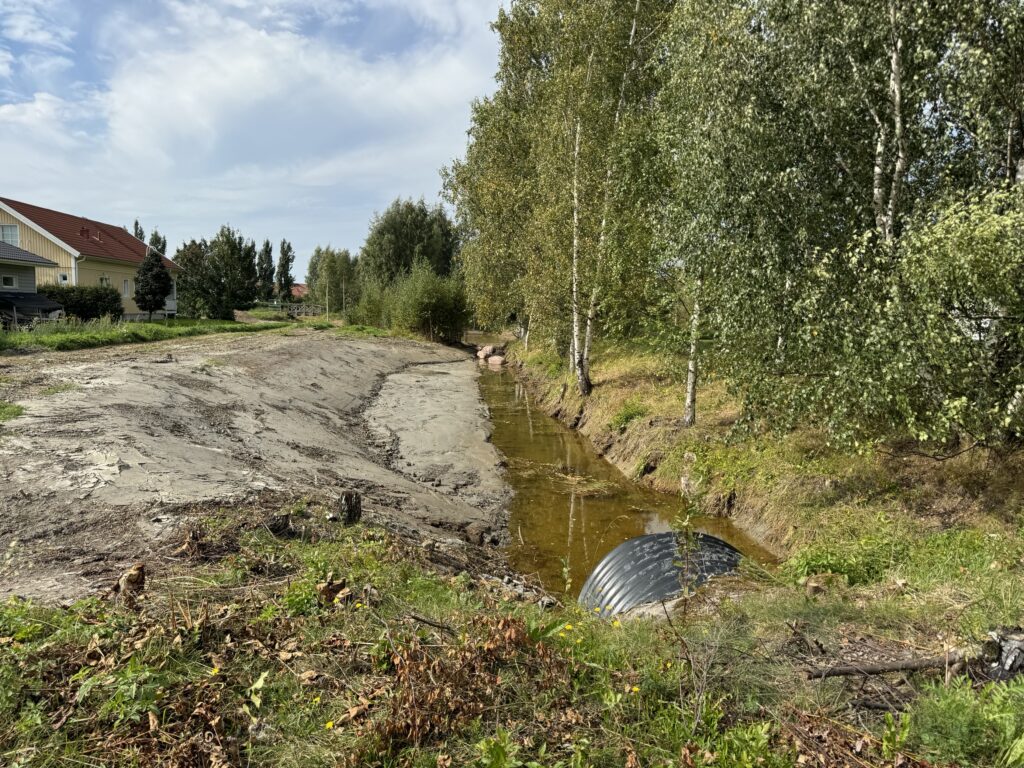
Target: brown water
[(572, 507)]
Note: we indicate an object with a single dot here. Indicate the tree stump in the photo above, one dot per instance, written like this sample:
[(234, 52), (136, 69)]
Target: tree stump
[(348, 508)]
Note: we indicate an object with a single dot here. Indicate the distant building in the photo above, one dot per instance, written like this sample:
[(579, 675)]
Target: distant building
[(300, 291), (19, 301), (81, 251)]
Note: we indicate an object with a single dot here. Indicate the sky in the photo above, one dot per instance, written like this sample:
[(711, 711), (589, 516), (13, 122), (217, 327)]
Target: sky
[(294, 119)]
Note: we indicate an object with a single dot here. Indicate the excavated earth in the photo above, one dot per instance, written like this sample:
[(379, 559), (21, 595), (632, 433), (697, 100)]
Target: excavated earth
[(117, 445)]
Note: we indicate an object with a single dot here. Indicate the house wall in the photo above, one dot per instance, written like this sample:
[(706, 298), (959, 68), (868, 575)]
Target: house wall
[(91, 271), (33, 242), (24, 275)]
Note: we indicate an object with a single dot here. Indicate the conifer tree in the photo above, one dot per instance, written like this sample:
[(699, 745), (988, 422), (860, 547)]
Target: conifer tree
[(265, 271), (285, 280), (152, 283)]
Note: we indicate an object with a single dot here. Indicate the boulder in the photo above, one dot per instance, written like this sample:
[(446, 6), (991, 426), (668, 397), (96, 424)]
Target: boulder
[(496, 360), (485, 352)]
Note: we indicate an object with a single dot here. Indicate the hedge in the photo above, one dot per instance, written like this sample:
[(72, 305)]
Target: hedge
[(86, 302)]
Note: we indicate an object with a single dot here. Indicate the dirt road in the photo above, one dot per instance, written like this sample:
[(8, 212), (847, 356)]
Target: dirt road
[(115, 442)]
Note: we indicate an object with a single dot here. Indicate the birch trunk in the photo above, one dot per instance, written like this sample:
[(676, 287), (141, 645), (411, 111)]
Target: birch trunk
[(582, 375), (899, 133), (690, 407), (592, 308)]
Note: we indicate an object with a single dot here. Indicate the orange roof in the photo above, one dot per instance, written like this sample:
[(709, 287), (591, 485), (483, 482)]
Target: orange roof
[(87, 236), (300, 291)]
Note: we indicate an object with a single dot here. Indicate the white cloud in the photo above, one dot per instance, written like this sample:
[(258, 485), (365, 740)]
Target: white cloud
[(46, 23), (6, 60), (267, 114)]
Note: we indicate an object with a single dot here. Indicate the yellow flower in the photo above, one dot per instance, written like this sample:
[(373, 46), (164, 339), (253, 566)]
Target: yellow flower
[(597, 610), (561, 634), (568, 627), (316, 700), (329, 726), (635, 689), (359, 605), (215, 671), (616, 623), (579, 640)]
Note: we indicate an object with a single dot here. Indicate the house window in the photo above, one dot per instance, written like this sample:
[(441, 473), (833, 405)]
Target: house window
[(126, 289), (105, 281), (174, 290), (62, 278), (9, 234), (8, 281)]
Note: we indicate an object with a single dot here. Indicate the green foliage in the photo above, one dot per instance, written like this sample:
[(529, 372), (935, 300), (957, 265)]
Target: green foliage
[(428, 304), (974, 727), (68, 335), (265, 272), (9, 411), (406, 233), (157, 242), (864, 561), (153, 282), (333, 280), (631, 410), (217, 277), (420, 302), (85, 302), (284, 277)]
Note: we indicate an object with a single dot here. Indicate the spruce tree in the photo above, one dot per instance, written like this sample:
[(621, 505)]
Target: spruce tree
[(265, 271), (157, 242), (285, 280), (152, 283), (138, 231)]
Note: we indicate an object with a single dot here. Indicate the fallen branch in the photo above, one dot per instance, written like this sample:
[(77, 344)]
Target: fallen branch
[(431, 623), (900, 665)]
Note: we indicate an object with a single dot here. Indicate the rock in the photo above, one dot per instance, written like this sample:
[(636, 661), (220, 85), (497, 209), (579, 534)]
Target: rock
[(496, 360), (476, 533), (348, 508), (485, 352)]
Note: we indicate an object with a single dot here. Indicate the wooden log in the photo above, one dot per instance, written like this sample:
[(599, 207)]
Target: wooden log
[(880, 668)]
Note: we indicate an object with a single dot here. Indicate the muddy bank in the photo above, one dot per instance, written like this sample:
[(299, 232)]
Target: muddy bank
[(115, 442)]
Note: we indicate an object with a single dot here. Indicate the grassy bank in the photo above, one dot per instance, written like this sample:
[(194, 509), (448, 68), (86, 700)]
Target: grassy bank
[(70, 335), (350, 647), (885, 553)]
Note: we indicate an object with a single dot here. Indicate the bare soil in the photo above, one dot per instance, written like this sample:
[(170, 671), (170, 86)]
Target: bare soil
[(117, 445)]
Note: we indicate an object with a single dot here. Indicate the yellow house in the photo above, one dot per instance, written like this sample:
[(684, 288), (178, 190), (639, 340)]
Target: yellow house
[(86, 252)]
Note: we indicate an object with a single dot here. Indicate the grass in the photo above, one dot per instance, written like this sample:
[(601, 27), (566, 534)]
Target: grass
[(348, 646), (9, 411), (906, 555), (57, 389), (365, 331), (71, 335)]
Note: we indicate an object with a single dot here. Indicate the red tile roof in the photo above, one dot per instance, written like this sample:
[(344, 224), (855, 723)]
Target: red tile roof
[(300, 291), (88, 237)]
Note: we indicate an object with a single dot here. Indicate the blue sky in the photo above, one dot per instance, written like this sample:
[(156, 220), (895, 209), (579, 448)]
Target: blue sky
[(283, 118)]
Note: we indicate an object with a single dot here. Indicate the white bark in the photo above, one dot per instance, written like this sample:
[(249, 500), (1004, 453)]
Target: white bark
[(896, 94), (619, 107), (582, 379), (690, 407)]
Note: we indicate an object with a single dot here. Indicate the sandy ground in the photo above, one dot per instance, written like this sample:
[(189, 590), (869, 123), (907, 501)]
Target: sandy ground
[(114, 442)]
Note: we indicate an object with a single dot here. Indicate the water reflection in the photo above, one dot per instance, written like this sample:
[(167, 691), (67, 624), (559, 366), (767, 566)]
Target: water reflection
[(570, 507)]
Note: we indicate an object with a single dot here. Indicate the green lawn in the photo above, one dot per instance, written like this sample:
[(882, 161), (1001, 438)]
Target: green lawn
[(68, 335)]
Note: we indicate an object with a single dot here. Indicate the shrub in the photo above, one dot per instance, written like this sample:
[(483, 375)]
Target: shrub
[(86, 302), (431, 305)]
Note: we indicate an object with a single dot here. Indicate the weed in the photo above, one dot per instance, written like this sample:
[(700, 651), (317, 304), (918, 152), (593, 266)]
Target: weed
[(629, 412), (57, 389), (9, 411)]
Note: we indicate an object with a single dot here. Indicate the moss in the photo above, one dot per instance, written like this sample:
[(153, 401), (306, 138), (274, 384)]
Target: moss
[(9, 411)]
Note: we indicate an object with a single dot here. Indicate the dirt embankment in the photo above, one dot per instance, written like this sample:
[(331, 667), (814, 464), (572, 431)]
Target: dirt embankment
[(116, 444)]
